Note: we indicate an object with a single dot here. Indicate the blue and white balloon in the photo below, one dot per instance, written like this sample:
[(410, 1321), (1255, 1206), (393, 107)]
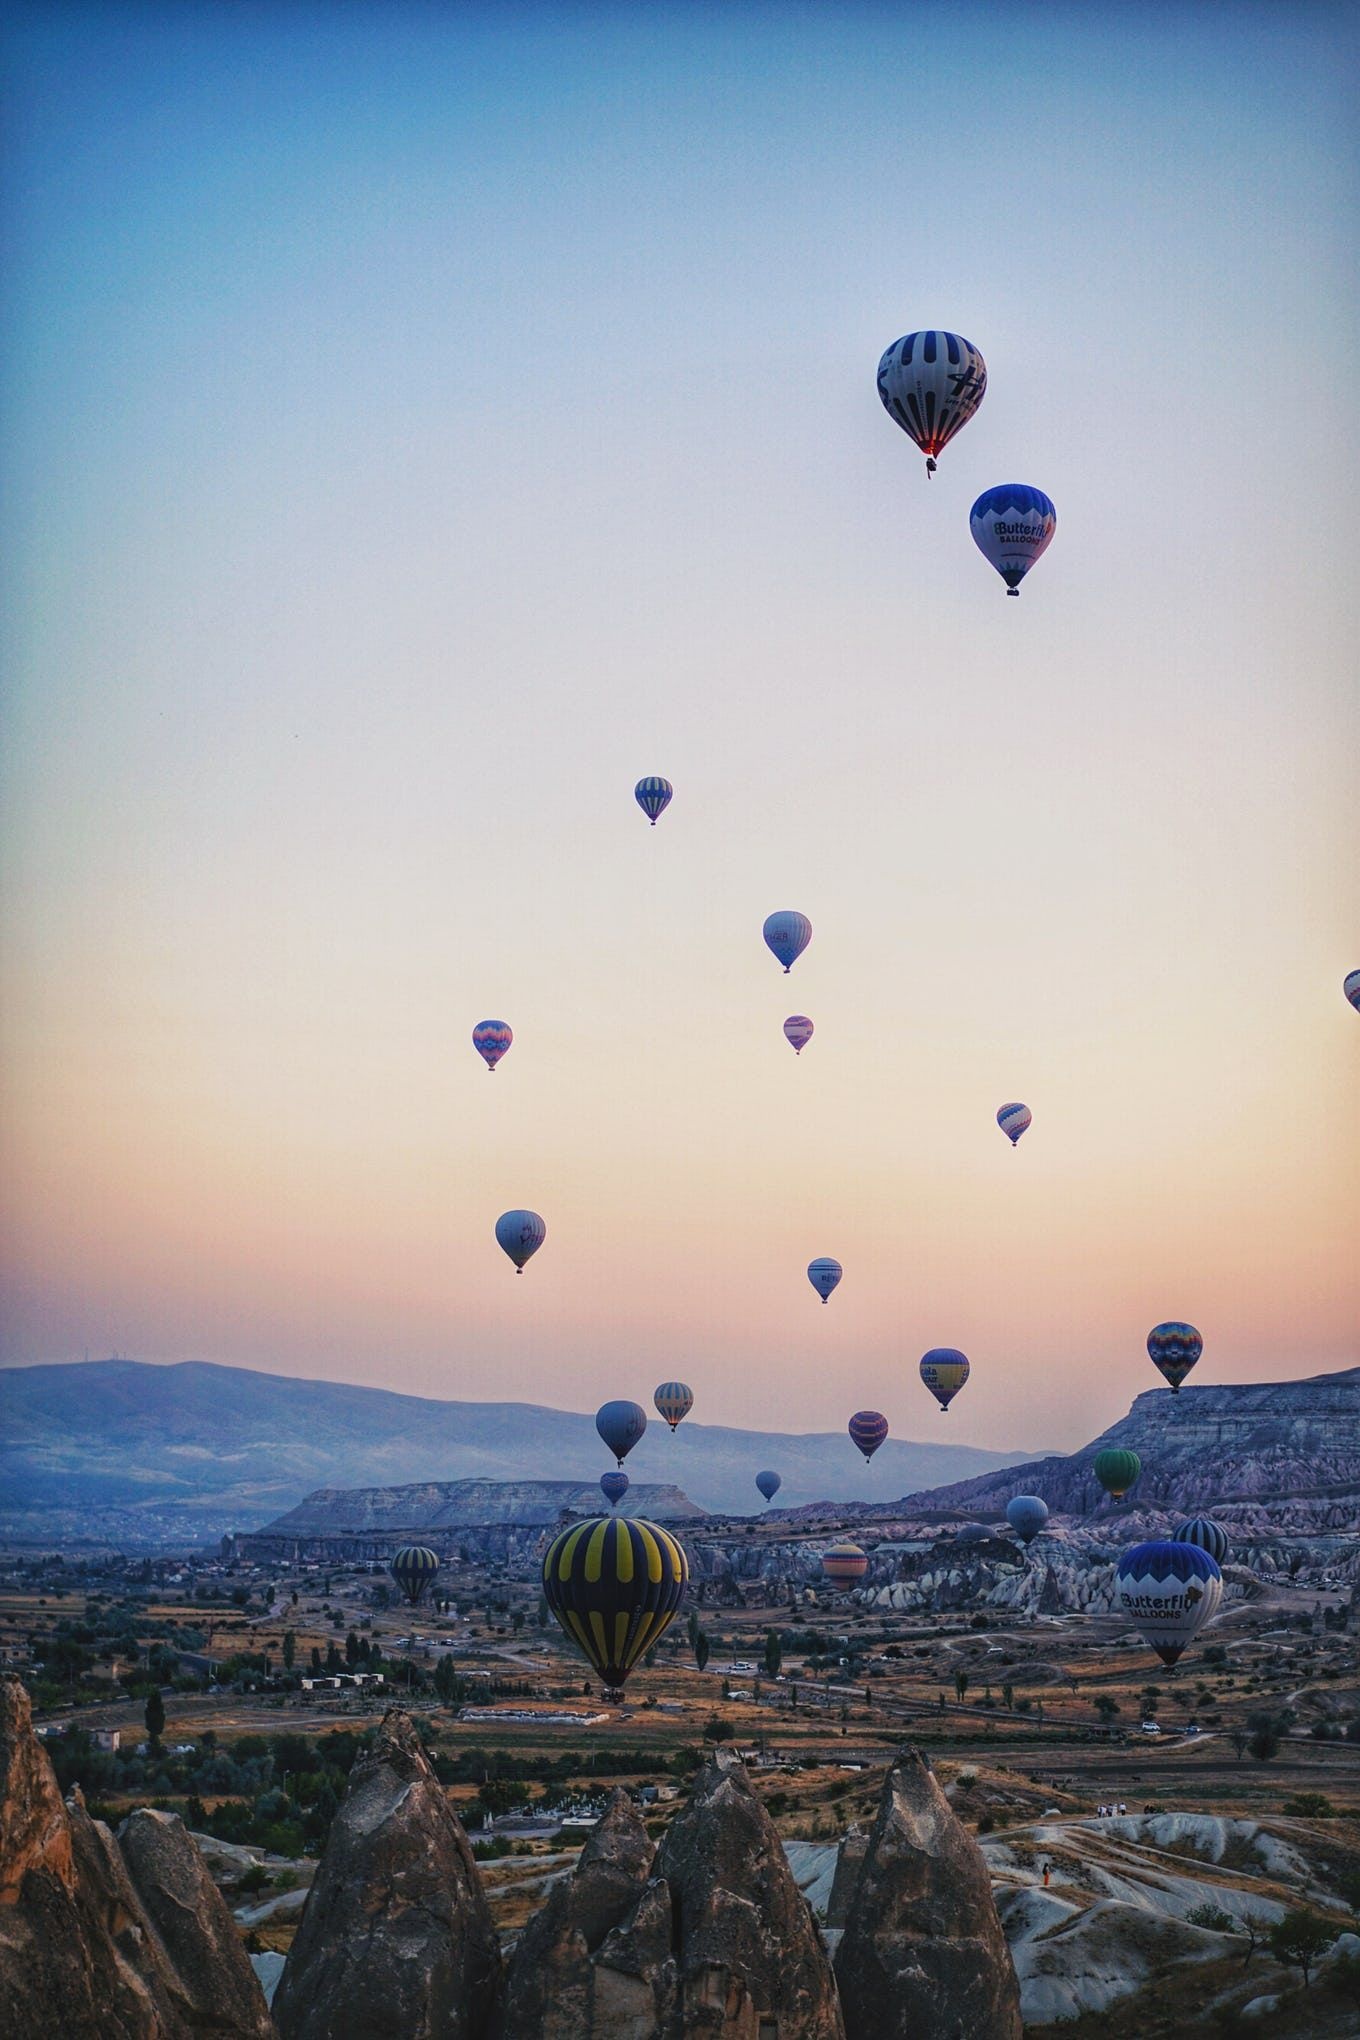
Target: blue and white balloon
[(520, 1234), (824, 1274), (1013, 1120), (653, 796), (930, 384), (1208, 1535), (787, 935), (1169, 1591), (1012, 525), (1027, 1515)]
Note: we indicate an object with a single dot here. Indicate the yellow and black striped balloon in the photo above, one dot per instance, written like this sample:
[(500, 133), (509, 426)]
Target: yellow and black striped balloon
[(615, 1585), (413, 1569)]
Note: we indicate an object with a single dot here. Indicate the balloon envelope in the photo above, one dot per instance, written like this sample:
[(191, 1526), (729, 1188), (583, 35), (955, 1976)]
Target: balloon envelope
[(614, 1486), (1169, 1591), (653, 796), (798, 1030), (769, 1484), (868, 1429), (491, 1038), (1116, 1468), (413, 1568), (620, 1424), (1352, 988), (944, 1370), (787, 935), (674, 1400), (615, 1585), (1027, 1515), (824, 1274), (1012, 525), (844, 1563), (1013, 1119), (520, 1234), (931, 383), (1173, 1349), (1208, 1535)]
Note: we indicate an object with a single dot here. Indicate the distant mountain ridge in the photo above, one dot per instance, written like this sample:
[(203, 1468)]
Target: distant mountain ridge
[(125, 1451)]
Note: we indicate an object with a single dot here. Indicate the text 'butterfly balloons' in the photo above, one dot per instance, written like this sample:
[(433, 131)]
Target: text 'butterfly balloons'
[(1012, 525), (787, 935), (653, 796), (520, 1234), (1168, 1591), (931, 383), (491, 1038)]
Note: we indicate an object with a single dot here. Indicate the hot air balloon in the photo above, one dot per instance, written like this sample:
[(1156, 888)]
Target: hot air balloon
[(1116, 1468), (824, 1274), (413, 1569), (491, 1038), (520, 1234), (868, 1429), (1208, 1535), (787, 935), (1173, 1349), (653, 796), (769, 1485), (1352, 988), (614, 1486), (674, 1401), (615, 1584), (944, 1370), (798, 1031), (1013, 1120), (1169, 1591), (620, 1424), (1027, 1515), (931, 383), (1011, 526), (844, 1563)]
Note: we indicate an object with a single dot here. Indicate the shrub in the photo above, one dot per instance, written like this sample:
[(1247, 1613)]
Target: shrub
[(1212, 1917), (1310, 1806)]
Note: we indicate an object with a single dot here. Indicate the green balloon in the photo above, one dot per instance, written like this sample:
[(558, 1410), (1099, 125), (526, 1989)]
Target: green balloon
[(1117, 1469)]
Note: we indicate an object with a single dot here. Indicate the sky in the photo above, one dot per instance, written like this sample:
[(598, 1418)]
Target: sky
[(421, 422)]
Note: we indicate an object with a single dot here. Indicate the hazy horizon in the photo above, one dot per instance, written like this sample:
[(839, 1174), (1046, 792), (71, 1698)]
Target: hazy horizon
[(418, 427)]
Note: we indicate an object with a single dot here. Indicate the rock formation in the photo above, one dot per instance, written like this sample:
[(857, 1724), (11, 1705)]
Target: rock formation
[(81, 1957), (550, 1989), (923, 1951), (190, 1916), (396, 1937)]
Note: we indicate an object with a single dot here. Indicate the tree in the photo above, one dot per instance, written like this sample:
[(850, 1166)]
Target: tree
[(1256, 1927), (316, 1660), (774, 1653), (1298, 1939), (960, 1685), (1238, 1738), (1105, 1707), (1008, 1696), (1344, 1976), (155, 1718), (701, 1649), (1265, 1742), (716, 1730), (289, 1649)]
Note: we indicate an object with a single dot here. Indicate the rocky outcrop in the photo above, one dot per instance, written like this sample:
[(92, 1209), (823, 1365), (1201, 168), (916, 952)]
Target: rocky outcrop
[(550, 1988), (80, 1955), (923, 1951), (220, 1990), (396, 1936)]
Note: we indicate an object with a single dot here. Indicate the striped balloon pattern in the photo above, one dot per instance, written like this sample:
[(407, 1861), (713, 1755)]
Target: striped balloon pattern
[(798, 1031), (1208, 1535), (787, 935), (620, 1424), (931, 383), (1352, 988), (1116, 1468), (653, 796), (413, 1569), (769, 1484), (614, 1486), (491, 1038), (1173, 1349), (520, 1234), (615, 1585), (868, 1429), (1169, 1591), (1012, 525), (674, 1401), (844, 1563), (824, 1274), (1027, 1515), (944, 1370), (1013, 1120)]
